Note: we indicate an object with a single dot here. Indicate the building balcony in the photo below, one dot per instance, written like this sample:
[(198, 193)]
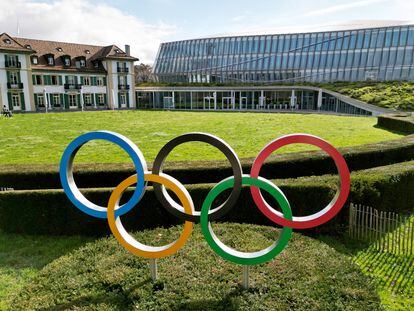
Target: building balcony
[(123, 87), (15, 86), (123, 70), (70, 86), (13, 64)]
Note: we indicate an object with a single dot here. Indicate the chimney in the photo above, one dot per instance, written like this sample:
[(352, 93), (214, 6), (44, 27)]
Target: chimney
[(127, 50)]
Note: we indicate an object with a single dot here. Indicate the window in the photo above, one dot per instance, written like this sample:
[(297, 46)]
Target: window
[(37, 80), (101, 99), (7, 41), (123, 100), (35, 60), (71, 80), (28, 46), (67, 62), (59, 49), (54, 80), (50, 60), (13, 78), (87, 81), (87, 99), (122, 80), (16, 101), (73, 101), (99, 81), (87, 52), (82, 63), (40, 101), (56, 100)]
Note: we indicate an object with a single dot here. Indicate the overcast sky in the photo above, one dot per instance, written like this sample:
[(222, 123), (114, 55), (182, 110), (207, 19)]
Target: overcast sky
[(144, 24)]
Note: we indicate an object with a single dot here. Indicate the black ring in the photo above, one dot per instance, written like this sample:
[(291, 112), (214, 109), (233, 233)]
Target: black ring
[(173, 207)]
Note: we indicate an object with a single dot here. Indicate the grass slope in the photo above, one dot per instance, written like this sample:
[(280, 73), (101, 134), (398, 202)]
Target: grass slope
[(102, 275), (41, 138)]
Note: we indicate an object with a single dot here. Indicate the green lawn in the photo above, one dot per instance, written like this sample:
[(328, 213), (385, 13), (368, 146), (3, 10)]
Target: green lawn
[(41, 138)]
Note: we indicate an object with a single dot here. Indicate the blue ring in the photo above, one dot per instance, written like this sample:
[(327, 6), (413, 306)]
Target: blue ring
[(69, 186)]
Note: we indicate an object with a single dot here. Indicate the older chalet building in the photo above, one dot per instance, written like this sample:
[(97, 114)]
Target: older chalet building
[(36, 75)]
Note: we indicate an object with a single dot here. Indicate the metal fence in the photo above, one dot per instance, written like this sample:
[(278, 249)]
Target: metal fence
[(385, 231)]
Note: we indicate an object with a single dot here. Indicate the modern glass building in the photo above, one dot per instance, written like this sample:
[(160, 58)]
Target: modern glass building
[(384, 53)]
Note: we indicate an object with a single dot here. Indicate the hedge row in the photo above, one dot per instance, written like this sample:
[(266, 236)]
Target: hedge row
[(49, 211), (290, 165), (397, 123)]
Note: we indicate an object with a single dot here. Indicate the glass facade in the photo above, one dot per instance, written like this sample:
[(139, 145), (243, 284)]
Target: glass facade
[(355, 55)]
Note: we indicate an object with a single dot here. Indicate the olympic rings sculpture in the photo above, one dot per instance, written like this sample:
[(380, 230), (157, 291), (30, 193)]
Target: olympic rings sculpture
[(185, 209)]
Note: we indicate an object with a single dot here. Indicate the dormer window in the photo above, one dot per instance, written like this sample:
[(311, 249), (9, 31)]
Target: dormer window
[(28, 46), (50, 59), (80, 62), (96, 64), (118, 51), (59, 49), (87, 52), (35, 60), (7, 41)]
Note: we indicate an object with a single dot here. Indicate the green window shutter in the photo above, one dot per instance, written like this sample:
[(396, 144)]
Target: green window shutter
[(36, 100), (60, 80), (6, 58), (9, 98), (51, 100), (8, 76), (105, 99), (66, 80), (76, 79), (47, 80), (22, 103), (19, 79), (92, 100), (119, 100), (104, 81), (127, 96), (96, 99), (79, 100), (82, 80), (62, 100), (34, 79), (66, 100), (94, 82)]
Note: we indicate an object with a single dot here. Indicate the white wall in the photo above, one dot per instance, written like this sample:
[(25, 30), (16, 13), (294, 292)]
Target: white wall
[(23, 77)]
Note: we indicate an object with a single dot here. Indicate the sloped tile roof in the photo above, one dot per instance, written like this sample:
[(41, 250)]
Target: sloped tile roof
[(42, 48)]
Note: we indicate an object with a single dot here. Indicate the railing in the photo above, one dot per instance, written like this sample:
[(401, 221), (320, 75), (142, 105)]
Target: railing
[(72, 86), (13, 64), (6, 189), (15, 86), (386, 231), (122, 69), (124, 87)]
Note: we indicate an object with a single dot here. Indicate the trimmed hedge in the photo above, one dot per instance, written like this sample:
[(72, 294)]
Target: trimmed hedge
[(397, 123), (290, 165), (49, 211)]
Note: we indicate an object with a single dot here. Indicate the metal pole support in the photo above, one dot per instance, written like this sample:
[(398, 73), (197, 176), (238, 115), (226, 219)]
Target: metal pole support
[(246, 272), (153, 269)]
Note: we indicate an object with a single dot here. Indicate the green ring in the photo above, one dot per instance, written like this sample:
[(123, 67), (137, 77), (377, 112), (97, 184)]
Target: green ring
[(231, 254)]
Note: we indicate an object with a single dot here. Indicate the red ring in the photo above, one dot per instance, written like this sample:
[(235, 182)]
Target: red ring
[(314, 220)]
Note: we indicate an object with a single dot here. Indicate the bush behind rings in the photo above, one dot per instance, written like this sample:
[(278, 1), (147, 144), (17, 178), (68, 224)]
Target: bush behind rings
[(388, 188), (290, 165)]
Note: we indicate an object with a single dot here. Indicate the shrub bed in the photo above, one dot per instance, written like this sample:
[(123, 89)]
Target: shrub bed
[(397, 123), (290, 165), (308, 275), (50, 212)]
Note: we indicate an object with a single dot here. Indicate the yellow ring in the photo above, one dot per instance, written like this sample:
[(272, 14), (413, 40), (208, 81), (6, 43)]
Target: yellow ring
[(126, 240)]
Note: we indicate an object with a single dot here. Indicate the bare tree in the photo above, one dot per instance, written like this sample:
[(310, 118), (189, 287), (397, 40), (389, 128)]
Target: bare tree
[(143, 73)]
